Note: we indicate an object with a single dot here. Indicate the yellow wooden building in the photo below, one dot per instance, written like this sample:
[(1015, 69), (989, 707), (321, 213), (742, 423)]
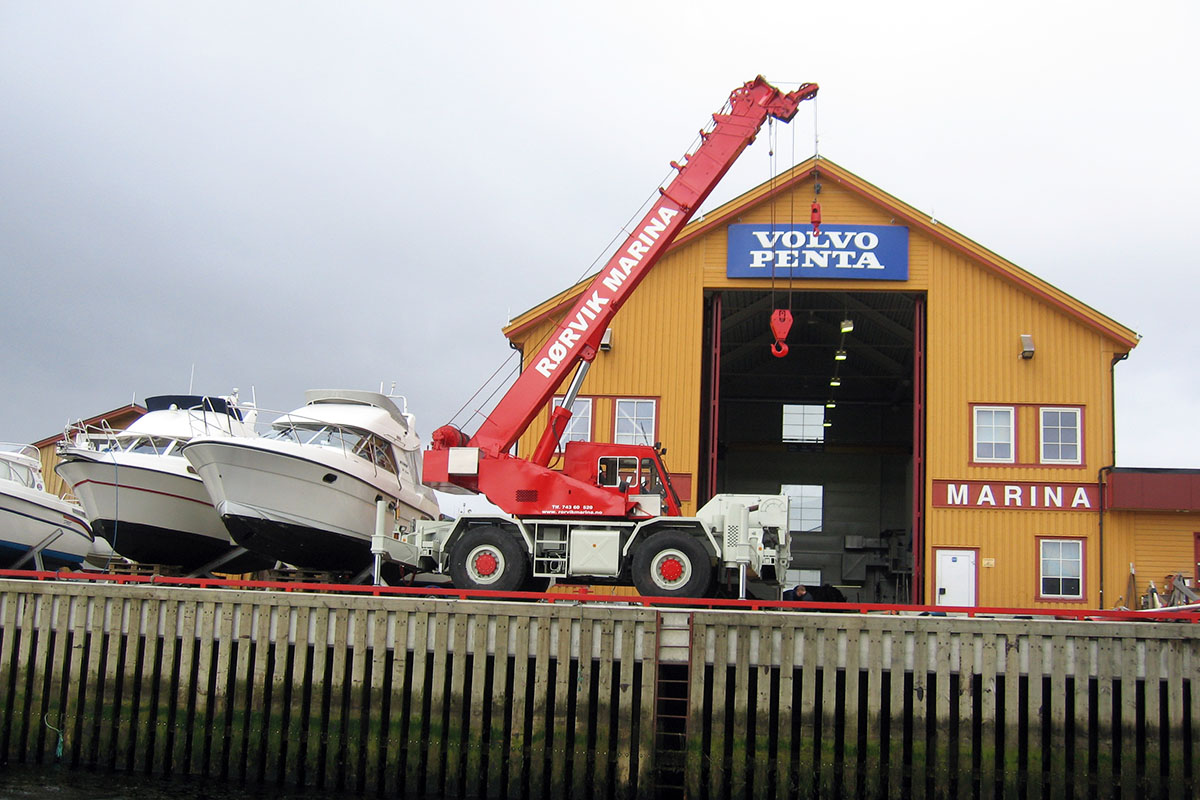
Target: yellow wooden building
[(943, 419)]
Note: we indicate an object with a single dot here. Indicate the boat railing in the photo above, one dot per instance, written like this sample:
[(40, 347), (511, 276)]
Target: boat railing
[(24, 451)]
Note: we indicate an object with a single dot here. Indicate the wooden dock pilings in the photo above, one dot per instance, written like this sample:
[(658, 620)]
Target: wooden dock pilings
[(411, 697)]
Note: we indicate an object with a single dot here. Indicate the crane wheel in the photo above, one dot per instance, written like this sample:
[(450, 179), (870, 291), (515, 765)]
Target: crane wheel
[(672, 564), (489, 558)]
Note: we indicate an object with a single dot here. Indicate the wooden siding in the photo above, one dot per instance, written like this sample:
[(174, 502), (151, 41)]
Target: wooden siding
[(1154, 544)]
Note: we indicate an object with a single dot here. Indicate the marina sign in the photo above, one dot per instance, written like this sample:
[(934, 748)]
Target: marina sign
[(866, 252), (1012, 495)]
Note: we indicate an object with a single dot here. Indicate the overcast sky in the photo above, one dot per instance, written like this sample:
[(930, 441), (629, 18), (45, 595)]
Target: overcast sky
[(278, 196)]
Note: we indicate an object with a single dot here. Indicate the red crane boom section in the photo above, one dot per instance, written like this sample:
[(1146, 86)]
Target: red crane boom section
[(577, 337)]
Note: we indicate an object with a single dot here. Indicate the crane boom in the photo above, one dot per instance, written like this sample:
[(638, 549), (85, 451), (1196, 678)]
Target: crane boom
[(525, 486), (578, 335)]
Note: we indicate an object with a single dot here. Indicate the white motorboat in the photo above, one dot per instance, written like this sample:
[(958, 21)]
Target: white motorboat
[(141, 494), (306, 493), (36, 526)]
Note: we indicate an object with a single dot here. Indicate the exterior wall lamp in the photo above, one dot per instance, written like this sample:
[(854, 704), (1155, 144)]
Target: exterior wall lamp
[(1026, 346)]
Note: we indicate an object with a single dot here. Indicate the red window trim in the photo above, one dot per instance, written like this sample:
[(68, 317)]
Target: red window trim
[(1083, 569)]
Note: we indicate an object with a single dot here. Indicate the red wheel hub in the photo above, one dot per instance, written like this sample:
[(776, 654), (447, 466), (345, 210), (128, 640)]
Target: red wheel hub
[(486, 564), (671, 569)]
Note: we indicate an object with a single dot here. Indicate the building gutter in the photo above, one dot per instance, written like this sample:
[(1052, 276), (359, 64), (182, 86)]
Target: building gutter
[(1103, 473)]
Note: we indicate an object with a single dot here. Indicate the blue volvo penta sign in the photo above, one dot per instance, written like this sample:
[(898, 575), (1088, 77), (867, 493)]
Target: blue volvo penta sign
[(868, 252)]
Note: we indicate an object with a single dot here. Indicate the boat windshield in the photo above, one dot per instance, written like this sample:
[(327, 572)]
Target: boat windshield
[(363, 444), (151, 445), (17, 473)]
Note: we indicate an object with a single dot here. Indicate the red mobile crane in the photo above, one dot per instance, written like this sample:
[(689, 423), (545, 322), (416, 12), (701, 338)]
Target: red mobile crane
[(611, 511)]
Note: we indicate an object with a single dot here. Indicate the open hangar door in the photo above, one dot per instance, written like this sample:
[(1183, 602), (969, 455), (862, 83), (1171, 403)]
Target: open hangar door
[(848, 454)]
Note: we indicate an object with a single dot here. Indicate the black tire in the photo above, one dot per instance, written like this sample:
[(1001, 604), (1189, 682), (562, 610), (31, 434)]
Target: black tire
[(672, 564), (489, 558)]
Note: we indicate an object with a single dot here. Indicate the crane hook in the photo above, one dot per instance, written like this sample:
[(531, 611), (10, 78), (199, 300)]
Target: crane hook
[(781, 323)]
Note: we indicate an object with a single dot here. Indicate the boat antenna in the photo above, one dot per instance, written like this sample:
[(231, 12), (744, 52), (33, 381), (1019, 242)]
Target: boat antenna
[(192, 378)]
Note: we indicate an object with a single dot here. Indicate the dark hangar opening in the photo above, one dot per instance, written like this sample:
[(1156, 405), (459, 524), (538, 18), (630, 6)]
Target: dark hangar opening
[(767, 426)]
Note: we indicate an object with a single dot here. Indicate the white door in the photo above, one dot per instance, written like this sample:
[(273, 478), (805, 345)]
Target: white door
[(955, 577)]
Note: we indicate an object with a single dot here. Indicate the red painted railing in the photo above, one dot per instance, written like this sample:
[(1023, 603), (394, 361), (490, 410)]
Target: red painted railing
[(1188, 614)]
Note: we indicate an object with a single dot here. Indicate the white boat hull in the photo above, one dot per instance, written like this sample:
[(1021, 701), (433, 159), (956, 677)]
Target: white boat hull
[(29, 517), (278, 499), (153, 511)]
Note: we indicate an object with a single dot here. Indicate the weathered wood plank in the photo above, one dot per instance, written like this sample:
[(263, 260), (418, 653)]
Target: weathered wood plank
[(540, 721), (559, 756), (184, 688), (623, 773), (165, 691), (602, 766), (456, 705), (54, 701), (1152, 702), (896, 755), (762, 772), (964, 746), (221, 702), (784, 781), (1039, 713), (300, 711), (873, 763), (376, 743), (739, 766), (476, 713), (314, 765), (580, 777), (920, 773), (988, 698), (497, 701), (418, 713), (518, 753), (851, 708), (352, 729), (649, 664), (435, 764), (398, 710), (145, 733), (830, 711), (720, 720), (281, 697)]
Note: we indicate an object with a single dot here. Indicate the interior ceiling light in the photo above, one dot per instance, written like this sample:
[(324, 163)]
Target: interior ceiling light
[(830, 404), (828, 424), (835, 381), (847, 325), (840, 355)]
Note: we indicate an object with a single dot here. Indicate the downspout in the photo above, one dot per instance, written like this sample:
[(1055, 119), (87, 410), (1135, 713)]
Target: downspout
[(1104, 471)]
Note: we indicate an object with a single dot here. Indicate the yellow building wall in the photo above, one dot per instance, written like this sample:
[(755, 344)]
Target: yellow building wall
[(1152, 545)]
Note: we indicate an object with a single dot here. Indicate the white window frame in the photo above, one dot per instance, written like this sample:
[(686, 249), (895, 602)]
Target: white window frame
[(804, 423), (806, 502), (1012, 435), (1042, 443), (581, 417), (1059, 562), (626, 438)]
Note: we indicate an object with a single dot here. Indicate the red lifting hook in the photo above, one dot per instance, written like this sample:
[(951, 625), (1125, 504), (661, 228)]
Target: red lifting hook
[(816, 218), (781, 323)]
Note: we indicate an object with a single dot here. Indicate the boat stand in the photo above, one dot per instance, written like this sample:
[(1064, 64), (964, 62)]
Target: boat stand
[(35, 552), (217, 563)]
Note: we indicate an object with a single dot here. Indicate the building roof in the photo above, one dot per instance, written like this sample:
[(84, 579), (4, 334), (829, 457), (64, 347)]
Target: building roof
[(127, 413), (1142, 489), (830, 172)]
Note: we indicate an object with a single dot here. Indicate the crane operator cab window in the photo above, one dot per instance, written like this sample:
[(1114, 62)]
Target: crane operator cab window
[(618, 471), (640, 478)]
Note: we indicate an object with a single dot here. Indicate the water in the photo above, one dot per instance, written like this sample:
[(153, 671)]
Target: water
[(23, 782)]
